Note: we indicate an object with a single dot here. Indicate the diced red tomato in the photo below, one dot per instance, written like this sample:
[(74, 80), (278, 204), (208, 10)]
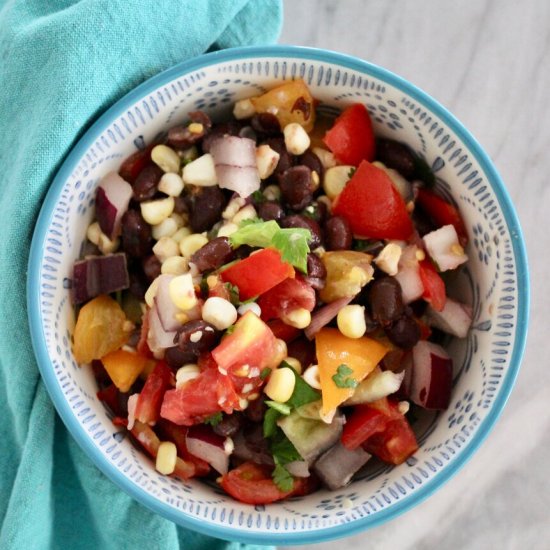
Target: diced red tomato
[(142, 347), (252, 484), (257, 273), (109, 396), (363, 422), (284, 298), (351, 139), (434, 286), (150, 442), (372, 205), (442, 213), (150, 398), (135, 163), (395, 444), (208, 394), (219, 290), (177, 434), (283, 331), (251, 343)]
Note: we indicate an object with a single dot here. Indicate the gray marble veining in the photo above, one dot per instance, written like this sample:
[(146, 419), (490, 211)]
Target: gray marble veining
[(488, 61)]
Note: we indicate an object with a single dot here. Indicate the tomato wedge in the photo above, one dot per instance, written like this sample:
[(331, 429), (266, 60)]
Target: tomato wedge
[(363, 423), (283, 331), (252, 484), (434, 286), (372, 205), (395, 444), (442, 213), (351, 139), (150, 398), (287, 296), (257, 273)]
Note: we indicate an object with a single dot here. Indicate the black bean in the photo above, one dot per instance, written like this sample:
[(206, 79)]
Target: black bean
[(371, 324), (315, 267), (204, 333), (137, 239), (138, 281), (404, 332), (338, 235), (385, 300), (206, 205), (286, 160), (243, 252), (270, 210), (256, 409), (213, 254), (265, 124), (151, 267), (397, 156), (177, 358), (180, 137), (317, 211), (296, 187), (231, 128), (146, 183), (297, 220), (249, 133), (312, 161), (303, 350), (180, 205), (230, 425), (422, 222)]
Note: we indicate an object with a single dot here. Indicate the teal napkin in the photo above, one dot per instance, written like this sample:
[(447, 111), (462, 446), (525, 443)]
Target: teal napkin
[(62, 63)]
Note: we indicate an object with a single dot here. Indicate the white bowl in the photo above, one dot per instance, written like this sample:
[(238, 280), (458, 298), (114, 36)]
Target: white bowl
[(495, 282)]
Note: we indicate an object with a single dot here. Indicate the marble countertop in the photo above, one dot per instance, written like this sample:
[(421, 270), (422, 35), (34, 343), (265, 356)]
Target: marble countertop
[(489, 63)]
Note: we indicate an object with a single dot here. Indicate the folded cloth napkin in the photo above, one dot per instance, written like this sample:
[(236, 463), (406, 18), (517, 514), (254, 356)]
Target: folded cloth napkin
[(62, 63)]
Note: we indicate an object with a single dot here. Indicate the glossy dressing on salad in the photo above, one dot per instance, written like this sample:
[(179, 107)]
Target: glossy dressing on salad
[(261, 298)]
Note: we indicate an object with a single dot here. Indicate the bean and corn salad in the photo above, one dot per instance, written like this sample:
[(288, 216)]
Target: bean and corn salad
[(261, 298)]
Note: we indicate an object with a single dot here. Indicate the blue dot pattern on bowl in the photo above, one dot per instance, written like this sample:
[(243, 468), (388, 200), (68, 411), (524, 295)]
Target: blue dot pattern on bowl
[(395, 115)]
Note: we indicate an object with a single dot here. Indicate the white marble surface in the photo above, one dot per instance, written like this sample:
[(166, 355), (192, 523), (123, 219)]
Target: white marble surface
[(489, 63)]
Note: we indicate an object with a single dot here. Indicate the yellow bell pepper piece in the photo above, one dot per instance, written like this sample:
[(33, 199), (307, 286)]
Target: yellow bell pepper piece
[(124, 367), (359, 355)]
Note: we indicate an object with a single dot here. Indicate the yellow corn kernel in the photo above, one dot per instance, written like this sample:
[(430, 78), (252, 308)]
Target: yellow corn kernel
[(182, 292), (156, 211), (280, 385), (294, 363), (196, 128), (174, 265), (165, 158), (298, 318), (186, 373), (180, 233), (190, 244), (167, 455), (335, 180), (351, 321)]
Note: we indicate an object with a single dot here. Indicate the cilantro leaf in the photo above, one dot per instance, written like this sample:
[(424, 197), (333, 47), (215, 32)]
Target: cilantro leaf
[(233, 294), (282, 478), (254, 233), (351, 172), (270, 422), (283, 450), (281, 407), (258, 197), (303, 393), (292, 243), (215, 419), (266, 371), (342, 378)]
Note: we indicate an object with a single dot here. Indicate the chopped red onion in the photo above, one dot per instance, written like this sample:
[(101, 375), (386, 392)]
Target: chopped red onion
[(444, 248), (235, 161), (431, 377), (204, 443), (298, 468), (455, 318), (158, 338), (112, 199), (99, 275), (166, 308)]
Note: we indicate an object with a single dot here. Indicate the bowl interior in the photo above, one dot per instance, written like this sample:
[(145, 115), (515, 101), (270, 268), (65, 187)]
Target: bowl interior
[(494, 282)]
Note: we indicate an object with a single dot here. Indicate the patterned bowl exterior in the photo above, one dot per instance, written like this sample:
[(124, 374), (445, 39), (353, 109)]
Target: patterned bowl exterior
[(495, 282)]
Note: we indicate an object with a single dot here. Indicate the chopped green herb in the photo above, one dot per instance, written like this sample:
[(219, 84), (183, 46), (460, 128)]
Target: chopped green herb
[(303, 393), (423, 172), (270, 422), (233, 294), (312, 211), (254, 233), (281, 407), (258, 197), (351, 172), (282, 478), (283, 450), (265, 373), (215, 419), (230, 329), (292, 243), (342, 378)]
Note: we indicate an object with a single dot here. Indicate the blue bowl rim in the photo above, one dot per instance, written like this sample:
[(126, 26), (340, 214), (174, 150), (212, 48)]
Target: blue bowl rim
[(46, 367)]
